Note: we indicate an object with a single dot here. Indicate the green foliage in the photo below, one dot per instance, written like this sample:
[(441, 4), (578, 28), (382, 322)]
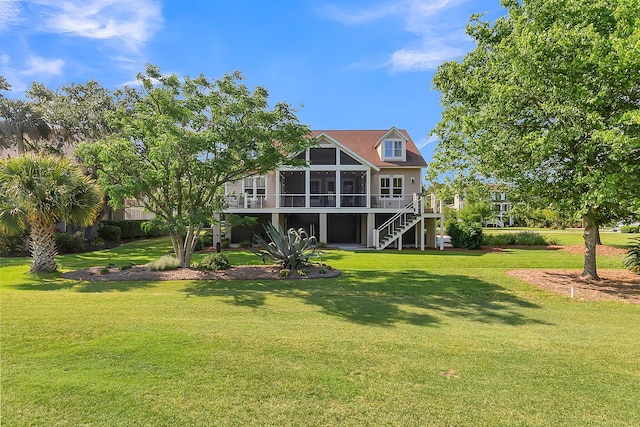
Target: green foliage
[(245, 244), (548, 104), (110, 233), (630, 229), (521, 238), (40, 191), (165, 262), (632, 258), (133, 229), (12, 244), (465, 235), (291, 250), (127, 266), (70, 243), (178, 141), (215, 261)]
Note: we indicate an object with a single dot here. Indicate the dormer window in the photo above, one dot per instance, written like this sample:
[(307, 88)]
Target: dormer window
[(394, 149)]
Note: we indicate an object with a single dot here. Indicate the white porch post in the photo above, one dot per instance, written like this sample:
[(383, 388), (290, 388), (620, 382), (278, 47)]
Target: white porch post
[(442, 232), (323, 228), (275, 219), (372, 235), (422, 237), (368, 190), (307, 188), (277, 189)]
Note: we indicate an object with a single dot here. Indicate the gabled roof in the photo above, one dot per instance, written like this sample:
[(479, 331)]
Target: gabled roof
[(364, 143), (347, 149)]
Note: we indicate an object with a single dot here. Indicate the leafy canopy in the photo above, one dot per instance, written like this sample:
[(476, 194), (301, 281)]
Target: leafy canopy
[(549, 104), (177, 142)]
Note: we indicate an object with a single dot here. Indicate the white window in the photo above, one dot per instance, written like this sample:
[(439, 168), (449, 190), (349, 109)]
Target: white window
[(393, 149), (391, 186), (255, 186)]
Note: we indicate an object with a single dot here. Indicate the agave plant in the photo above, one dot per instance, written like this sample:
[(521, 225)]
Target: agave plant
[(291, 249), (632, 259)]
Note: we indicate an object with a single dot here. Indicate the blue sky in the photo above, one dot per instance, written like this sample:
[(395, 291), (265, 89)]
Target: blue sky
[(344, 64)]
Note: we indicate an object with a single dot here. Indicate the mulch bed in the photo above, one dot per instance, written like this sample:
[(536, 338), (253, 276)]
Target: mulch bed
[(615, 285), (243, 272)]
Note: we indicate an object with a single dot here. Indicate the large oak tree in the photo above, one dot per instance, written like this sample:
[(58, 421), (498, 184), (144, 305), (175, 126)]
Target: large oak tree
[(177, 142), (548, 103)]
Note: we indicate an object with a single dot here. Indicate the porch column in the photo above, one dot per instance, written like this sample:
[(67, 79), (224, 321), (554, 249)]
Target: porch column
[(323, 228), (422, 236), (277, 190), (371, 224), (431, 232), (275, 219)]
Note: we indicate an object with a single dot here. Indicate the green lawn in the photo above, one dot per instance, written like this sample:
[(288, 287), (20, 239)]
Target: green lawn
[(571, 236), (367, 348)]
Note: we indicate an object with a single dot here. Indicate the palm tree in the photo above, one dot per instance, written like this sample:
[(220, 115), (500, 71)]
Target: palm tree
[(39, 191)]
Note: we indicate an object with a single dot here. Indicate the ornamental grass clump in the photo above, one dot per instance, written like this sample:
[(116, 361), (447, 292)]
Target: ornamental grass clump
[(165, 262), (632, 259), (291, 249)]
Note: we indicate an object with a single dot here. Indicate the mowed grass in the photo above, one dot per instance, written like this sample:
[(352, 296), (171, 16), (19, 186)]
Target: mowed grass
[(571, 236), (401, 338)]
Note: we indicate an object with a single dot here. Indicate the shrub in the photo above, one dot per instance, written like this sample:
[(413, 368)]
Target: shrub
[(105, 270), (215, 262), (321, 245), (165, 262), (291, 250), (70, 243), (133, 229), (521, 238), (11, 245), (110, 233), (465, 235), (632, 259), (503, 239), (207, 238), (127, 266), (245, 244), (630, 229)]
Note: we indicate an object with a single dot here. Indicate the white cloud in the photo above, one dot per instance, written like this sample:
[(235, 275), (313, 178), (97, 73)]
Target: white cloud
[(37, 65), (438, 30), (9, 13), (131, 22), (428, 59), (355, 17)]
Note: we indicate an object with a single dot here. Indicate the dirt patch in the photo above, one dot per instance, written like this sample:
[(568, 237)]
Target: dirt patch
[(243, 272), (615, 285)]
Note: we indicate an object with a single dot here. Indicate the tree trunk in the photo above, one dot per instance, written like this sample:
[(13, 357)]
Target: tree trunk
[(598, 240), (43, 247), (20, 143), (590, 238), (178, 245)]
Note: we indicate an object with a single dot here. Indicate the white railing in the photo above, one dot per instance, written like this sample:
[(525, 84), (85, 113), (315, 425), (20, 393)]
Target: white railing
[(243, 201), (399, 222)]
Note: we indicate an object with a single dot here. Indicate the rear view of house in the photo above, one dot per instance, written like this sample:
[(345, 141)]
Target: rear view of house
[(361, 187)]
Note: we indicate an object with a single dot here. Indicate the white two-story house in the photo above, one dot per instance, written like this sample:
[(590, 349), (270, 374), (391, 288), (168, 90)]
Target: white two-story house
[(361, 187)]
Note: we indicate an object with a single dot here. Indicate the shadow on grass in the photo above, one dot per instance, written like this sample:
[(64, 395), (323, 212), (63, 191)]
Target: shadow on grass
[(369, 297), (53, 282)]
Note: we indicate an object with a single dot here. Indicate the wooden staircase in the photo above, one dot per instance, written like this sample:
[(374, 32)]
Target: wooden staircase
[(400, 223)]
